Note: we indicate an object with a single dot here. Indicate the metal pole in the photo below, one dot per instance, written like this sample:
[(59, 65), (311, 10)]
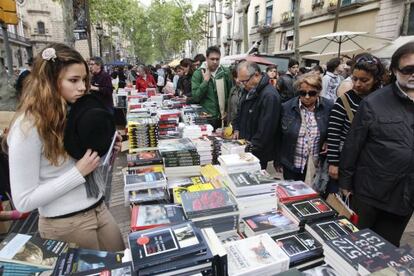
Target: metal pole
[(338, 8), (296, 18), (9, 56), (100, 46), (88, 26)]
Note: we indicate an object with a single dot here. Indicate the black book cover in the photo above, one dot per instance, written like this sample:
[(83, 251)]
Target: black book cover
[(143, 158), (310, 210), (333, 228)]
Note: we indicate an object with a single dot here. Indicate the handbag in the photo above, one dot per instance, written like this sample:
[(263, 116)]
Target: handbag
[(342, 207)]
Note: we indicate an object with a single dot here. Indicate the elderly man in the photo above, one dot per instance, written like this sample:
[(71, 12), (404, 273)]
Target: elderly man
[(101, 82), (259, 111), (377, 159)]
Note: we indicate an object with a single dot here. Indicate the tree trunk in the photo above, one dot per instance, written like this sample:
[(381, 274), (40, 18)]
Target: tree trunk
[(246, 5), (67, 11), (296, 21)]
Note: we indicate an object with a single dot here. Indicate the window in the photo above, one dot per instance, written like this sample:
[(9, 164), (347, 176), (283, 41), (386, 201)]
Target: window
[(218, 36), (269, 12), (411, 21), (238, 48), (346, 2), (41, 27), (240, 24), (266, 44), (286, 41), (256, 15)]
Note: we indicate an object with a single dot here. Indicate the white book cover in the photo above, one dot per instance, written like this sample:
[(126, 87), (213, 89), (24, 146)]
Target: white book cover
[(258, 254), (245, 158)]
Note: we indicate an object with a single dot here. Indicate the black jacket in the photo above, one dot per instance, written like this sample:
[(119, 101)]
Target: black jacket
[(258, 119), (377, 160), (291, 122), (285, 87)]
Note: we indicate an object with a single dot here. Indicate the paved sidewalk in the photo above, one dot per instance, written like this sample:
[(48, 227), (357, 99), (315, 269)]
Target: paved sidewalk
[(122, 213)]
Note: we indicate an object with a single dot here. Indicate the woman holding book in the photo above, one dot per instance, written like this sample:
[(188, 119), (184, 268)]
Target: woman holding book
[(304, 126), (42, 174)]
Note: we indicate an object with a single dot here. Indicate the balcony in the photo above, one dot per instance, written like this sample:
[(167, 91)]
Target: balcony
[(345, 5), (238, 36), (15, 38), (226, 39), (264, 28), (287, 18), (317, 4), (228, 12)]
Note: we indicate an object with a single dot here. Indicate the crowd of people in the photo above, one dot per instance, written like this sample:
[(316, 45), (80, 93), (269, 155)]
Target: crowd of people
[(353, 123)]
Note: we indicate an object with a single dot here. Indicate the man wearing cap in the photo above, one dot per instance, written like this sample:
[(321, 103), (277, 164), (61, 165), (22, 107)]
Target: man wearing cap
[(101, 83)]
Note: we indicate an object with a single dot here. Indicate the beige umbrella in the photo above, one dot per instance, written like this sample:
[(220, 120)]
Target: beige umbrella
[(343, 41), (174, 63)]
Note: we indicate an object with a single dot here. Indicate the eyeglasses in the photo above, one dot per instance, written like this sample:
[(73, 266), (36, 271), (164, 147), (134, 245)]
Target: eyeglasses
[(367, 59), (246, 81), (311, 93), (407, 70), (90, 64)]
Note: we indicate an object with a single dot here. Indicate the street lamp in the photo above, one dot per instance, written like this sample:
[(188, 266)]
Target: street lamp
[(99, 32)]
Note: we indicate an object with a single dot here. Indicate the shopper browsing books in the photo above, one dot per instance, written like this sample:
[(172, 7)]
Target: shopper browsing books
[(43, 176)]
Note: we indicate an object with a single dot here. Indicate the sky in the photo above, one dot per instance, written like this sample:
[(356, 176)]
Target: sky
[(194, 3)]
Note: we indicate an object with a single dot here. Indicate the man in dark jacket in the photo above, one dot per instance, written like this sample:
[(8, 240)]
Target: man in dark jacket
[(285, 82), (259, 111), (377, 160), (101, 83)]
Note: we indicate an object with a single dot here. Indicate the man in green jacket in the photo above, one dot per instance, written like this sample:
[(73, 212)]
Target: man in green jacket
[(210, 85)]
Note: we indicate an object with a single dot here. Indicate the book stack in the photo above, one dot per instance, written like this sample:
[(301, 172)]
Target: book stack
[(195, 115), (258, 255), (149, 216), (145, 187), (237, 163), (179, 249), (195, 131), (211, 208), (22, 254), (191, 188), (307, 211), (217, 141), (250, 188), (332, 228), (290, 191), (144, 158), (235, 146), (142, 135), (360, 253), (204, 149), (303, 249), (180, 158), (79, 261), (273, 223), (168, 123)]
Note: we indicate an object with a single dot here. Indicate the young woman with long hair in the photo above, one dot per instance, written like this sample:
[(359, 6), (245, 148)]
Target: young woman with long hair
[(42, 175)]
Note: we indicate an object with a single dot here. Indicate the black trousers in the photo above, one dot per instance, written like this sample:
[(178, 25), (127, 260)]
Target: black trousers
[(389, 226), (292, 175)]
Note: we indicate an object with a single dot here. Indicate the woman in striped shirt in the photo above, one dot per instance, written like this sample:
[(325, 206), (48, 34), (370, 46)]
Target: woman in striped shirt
[(367, 76)]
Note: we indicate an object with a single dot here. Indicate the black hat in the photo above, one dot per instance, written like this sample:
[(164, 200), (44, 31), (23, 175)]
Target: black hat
[(89, 126)]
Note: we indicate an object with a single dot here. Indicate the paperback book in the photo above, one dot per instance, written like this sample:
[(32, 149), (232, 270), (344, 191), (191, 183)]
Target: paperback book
[(307, 211), (150, 216), (289, 191), (331, 228), (144, 158)]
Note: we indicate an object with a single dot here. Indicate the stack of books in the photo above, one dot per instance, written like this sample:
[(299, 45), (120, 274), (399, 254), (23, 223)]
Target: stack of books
[(195, 131), (331, 228), (235, 146), (289, 191), (190, 188), (180, 158), (307, 211), (142, 134), (145, 187), (303, 249), (273, 223), (79, 261), (195, 115), (150, 216), (168, 123), (144, 159), (237, 163), (179, 249), (204, 149), (22, 254), (217, 141), (250, 188), (258, 255), (211, 208)]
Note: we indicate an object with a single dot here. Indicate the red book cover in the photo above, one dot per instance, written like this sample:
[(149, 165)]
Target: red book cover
[(294, 191)]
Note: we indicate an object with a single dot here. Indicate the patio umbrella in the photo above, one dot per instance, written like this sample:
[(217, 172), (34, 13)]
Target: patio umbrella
[(343, 41), (387, 51), (251, 58), (174, 63)]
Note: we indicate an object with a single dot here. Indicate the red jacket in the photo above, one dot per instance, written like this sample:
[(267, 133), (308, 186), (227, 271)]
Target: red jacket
[(142, 85)]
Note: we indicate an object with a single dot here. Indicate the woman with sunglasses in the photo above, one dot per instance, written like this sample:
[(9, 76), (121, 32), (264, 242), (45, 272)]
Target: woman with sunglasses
[(377, 160), (304, 125), (367, 76)]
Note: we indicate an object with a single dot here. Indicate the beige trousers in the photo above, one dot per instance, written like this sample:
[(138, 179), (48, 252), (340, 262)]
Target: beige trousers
[(93, 229)]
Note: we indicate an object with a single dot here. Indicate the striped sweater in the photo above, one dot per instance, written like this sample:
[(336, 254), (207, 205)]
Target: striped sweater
[(339, 125)]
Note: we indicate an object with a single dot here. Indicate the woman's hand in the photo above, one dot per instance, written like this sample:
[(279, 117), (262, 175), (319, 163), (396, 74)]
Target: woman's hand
[(333, 171), (118, 143), (88, 163)]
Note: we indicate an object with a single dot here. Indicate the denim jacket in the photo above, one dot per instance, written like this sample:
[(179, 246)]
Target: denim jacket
[(290, 127)]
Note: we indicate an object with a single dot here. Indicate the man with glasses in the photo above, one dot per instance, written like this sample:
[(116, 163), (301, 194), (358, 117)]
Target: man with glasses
[(259, 111), (210, 85), (101, 83), (377, 159)]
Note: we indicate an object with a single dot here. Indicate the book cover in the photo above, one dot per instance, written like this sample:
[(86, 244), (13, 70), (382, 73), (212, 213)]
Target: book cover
[(143, 158), (164, 244), (273, 221), (254, 254), (311, 209), (144, 178), (322, 270), (191, 188), (248, 179), (333, 228), (209, 201), (123, 269), (30, 250), (150, 216), (288, 191)]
